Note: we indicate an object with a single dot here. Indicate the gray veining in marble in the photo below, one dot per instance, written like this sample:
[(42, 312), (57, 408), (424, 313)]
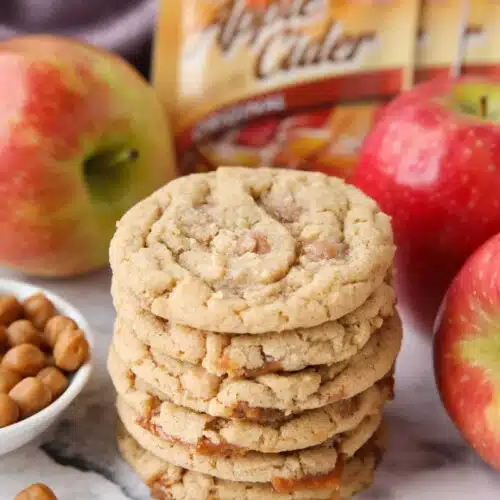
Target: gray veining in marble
[(426, 460)]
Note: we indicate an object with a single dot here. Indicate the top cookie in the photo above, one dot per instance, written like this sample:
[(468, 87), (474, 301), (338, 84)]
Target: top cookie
[(253, 250)]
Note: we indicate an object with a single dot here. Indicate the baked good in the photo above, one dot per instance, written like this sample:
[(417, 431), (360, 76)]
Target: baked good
[(251, 355), (225, 436), (169, 482), (251, 466), (266, 397), (253, 250)]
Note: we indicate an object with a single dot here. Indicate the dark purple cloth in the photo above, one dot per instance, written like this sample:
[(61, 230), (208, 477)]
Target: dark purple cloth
[(124, 26)]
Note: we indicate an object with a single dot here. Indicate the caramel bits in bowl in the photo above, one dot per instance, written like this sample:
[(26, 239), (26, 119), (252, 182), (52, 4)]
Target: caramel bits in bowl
[(39, 351)]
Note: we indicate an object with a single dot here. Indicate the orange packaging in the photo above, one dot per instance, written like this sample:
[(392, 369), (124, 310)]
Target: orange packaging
[(481, 52), (291, 83), (440, 33)]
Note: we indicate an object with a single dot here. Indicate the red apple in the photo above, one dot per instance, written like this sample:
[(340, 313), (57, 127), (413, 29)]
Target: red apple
[(467, 351), (432, 161), (82, 138)]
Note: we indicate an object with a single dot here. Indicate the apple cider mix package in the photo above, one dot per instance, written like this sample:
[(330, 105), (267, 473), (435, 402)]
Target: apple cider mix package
[(291, 83), (440, 31), (482, 39)]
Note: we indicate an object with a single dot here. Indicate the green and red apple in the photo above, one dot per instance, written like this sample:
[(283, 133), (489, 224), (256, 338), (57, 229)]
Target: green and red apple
[(82, 138), (432, 161), (467, 351)]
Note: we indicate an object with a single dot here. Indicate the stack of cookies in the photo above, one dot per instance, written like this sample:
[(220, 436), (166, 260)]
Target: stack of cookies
[(256, 336)]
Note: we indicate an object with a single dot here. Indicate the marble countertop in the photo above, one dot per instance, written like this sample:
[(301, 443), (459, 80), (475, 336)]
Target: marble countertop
[(426, 459)]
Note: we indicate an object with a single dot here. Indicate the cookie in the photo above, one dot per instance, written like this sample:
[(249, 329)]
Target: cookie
[(168, 482), (266, 397), (211, 435), (253, 250), (252, 355), (252, 466)]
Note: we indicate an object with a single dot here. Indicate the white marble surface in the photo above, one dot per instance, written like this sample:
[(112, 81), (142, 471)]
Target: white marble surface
[(426, 459)]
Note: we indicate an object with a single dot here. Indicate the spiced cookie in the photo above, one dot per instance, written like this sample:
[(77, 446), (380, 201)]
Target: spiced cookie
[(220, 435), (251, 466), (251, 251), (265, 397), (169, 482), (252, 355)]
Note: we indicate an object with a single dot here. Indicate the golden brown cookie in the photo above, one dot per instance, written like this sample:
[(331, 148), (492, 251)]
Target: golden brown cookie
[(226, 436), (253, 467), (266, 397), (253, 250), (251, 355), (168, 482)]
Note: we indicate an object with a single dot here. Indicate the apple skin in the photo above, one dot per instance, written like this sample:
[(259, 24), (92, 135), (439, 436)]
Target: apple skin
[(467, 351), (83, 137), (436, 170)]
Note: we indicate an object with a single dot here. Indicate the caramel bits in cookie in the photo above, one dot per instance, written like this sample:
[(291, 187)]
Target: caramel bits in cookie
[(31, 396), (250, 251), (325, 250), (253, 242), (36, 491), (310, 482), (39, 309)]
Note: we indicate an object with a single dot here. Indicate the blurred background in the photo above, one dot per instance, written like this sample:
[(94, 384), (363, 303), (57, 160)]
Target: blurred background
[(124, 26)]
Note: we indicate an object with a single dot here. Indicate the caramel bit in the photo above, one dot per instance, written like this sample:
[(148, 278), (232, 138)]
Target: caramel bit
[(22, 331), (159, 488), (39, 309), (253, 242), (158, 431), (328, 481), (10, 309), (4, 339), (242, 411), (222, 449), (234, 370), (38, 491), (55, 326), (227, 365), (154, 407), (266, 368), (203, 447), (324, 250)]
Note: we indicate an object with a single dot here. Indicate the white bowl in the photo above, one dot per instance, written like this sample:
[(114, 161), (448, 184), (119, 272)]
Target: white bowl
[(16, 435)]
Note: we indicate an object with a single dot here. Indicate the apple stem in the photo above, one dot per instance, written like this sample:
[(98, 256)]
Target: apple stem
[(111, 159), (483, 106), (125, 156), (104, 172)]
